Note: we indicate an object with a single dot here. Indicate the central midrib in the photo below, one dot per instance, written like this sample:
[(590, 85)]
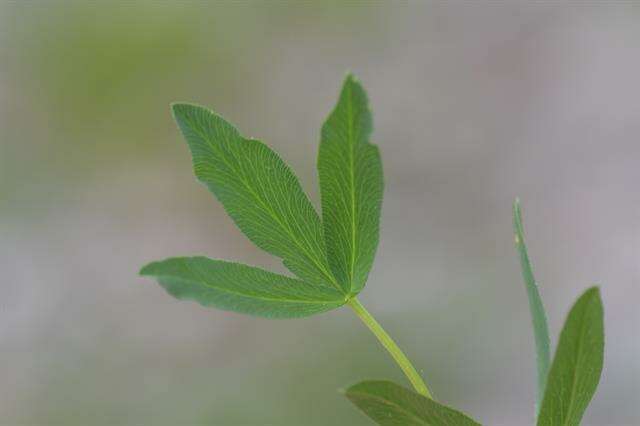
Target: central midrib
[(574, 378), (207, 283), (352, 149)]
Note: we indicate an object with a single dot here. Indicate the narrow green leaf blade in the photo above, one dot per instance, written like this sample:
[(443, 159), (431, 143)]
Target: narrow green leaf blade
[(389, 404), (577, 365), (258, 190), (538, 315), (240, 288), (351, 186)]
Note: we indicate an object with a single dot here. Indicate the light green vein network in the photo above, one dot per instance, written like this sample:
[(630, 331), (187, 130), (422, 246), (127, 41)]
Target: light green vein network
[(258, 190), (241, 288), (332, 258), (351, 187)]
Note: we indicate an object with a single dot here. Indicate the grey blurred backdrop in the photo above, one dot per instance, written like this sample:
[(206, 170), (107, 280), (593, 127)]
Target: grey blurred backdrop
[(474, 104)]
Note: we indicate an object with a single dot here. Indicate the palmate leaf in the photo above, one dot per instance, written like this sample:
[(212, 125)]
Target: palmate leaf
[(577, 364), (351, 186), (258, 190), (240, 288), (389, 404), (538, 315)]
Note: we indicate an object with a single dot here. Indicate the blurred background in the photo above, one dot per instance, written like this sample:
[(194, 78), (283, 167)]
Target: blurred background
[(474, 104)]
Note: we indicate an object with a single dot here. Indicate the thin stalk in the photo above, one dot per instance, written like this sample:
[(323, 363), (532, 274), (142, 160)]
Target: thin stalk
[(400, 358)]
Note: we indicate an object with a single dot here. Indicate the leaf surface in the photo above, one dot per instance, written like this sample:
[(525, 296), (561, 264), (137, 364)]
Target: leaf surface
[(258, 190), (351, 186), (538, 315), (240, 288), (577, 364), (389, 404)]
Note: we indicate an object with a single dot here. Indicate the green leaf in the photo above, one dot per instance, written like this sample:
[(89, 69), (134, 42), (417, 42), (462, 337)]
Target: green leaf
[(351, 187), (538, 315), (577, 365), (389, 404), (240, 288), (258, 190)]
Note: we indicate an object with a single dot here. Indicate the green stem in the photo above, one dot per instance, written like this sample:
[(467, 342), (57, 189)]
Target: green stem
[(400, 358)]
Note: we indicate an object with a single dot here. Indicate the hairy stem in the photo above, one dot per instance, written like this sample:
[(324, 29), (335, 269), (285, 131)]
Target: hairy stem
[(400, 358)]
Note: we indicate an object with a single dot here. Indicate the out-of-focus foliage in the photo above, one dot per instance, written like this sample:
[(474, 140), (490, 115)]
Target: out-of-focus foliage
[(538, 314), (389, 404), (577, 364)]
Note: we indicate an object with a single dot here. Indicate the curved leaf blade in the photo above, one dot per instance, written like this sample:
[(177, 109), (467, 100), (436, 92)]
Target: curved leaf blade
[(538, 315), (241, 288), (351, 186), (577, 365), (389, 404), (258, 190)]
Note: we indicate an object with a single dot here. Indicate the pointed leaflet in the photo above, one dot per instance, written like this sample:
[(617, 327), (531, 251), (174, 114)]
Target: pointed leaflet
[(538, 316), (389, 404), (577, 365), (240, 288), (351, 187), (258, 190)]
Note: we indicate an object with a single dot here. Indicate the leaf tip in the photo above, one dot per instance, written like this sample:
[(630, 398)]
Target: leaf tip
[(517, 209), (178, 108), (352, 80), (146, 270), (593, 293)]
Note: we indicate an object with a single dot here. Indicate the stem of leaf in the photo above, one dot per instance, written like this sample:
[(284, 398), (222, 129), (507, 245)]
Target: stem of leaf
[(400, 358)]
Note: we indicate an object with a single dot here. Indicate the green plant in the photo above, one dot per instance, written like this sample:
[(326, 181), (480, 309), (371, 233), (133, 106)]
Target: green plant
[(331, 258)]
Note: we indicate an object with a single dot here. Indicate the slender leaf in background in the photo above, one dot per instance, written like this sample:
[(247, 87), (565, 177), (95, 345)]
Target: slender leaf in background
[(240, 288), (577, 364), (351, 188), (259, 192), (538, 315), (389, 404)]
